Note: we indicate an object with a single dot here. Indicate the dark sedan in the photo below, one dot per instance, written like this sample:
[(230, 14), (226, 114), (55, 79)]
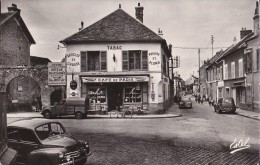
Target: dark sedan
[(45, 142), (226, 104), (185, 102)]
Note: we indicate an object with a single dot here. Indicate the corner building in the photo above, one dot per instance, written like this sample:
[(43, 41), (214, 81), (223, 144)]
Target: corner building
[(118, 61)]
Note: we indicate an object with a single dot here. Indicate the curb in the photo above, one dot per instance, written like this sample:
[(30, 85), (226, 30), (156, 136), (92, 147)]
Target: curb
[(248, 117), (244, 115), (114, 117)]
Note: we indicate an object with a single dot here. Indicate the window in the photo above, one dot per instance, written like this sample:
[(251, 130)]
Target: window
[(134, 60), (248, 62), (218, 75), (226, 71), (47, 130), (221, 73), (13, 133), (132, 95), (240, 68), (232, 69), (97, 95), (164, 64), (28, 136), (93, 61)]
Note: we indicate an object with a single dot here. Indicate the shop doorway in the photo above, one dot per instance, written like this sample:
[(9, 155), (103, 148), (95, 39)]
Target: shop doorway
[(115, 96)]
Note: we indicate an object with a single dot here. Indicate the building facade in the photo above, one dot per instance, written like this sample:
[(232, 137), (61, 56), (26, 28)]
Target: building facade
[(252, 65), (119, 62)]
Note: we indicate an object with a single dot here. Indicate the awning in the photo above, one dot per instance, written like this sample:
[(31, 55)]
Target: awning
[(239, 83), (115, 79)]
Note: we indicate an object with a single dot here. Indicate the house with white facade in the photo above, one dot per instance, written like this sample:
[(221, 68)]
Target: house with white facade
[(118, 61)]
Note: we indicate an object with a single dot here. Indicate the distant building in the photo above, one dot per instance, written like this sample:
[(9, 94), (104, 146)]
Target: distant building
[(233, 70), (118, 61)]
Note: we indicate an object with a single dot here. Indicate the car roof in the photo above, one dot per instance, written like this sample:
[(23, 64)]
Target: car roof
[(30, 123)]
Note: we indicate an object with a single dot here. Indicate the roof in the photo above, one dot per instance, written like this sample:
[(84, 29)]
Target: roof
[(4, 17), (39, 60), (117, 26), (241, 44), (30, 123)]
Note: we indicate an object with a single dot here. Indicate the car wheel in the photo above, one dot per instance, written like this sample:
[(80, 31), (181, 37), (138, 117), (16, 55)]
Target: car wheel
[(47, 115), (78, 115)]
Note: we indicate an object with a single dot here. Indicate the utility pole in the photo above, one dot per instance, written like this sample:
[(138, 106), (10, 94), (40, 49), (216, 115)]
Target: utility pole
[(212, 41), (199, 69)]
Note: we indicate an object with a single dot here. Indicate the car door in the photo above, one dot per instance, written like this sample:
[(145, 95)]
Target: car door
[(28, 142), (60, 108), (13, 139)]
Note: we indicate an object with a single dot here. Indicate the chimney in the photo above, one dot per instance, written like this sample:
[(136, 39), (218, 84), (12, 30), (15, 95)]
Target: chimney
[(160, 32), (244, 32), (13, 9), (82, 26), (139, 12)]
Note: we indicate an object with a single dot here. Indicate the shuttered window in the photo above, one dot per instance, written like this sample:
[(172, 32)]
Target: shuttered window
[(93, 61), (125, 60), (135, 60), (83, 61), (144, 60), (103, 60)]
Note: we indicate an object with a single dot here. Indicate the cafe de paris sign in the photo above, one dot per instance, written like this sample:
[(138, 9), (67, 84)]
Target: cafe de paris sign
[(115, 79)]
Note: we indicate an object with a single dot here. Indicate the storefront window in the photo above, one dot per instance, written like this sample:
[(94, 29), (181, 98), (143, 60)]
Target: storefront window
[(132, 95), (97, 95)]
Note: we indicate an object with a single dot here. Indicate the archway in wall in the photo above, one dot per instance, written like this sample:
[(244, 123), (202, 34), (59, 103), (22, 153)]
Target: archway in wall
[(23, 94), (56, 96)]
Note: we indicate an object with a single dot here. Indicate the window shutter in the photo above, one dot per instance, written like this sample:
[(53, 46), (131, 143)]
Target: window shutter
[(245, 63), (103, 60), (144, 60), (83, 61), (125, 61)]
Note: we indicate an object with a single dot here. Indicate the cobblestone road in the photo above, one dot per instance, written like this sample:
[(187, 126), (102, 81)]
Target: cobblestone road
[(119, 149)]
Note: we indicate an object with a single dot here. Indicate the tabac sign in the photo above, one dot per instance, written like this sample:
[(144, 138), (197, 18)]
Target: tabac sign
[(56, 73), (115, 79)]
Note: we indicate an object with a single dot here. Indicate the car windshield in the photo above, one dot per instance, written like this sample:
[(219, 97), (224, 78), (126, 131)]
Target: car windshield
[(186, 99), (227, 100), (49, 130)]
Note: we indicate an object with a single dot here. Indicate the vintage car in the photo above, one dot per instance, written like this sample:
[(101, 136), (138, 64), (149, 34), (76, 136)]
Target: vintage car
[(185, 102), (70, 106), (226, 104), (45, 142)]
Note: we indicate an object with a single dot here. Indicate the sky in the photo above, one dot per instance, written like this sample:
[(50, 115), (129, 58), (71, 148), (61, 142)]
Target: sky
[(186, 24)]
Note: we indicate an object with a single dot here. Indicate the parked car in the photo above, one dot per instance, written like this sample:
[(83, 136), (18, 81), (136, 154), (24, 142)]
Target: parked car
[(185, 102), (45, 142), (70, 106), (226, 104)]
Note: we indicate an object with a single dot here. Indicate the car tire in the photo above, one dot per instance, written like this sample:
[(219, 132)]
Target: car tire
[(78, 115), (47, 115)]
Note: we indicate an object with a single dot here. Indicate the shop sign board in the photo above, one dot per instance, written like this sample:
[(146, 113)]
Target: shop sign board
[(56, 73), (115, 79)]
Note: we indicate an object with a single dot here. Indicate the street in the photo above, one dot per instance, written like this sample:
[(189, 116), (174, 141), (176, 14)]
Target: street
[(199, 136)]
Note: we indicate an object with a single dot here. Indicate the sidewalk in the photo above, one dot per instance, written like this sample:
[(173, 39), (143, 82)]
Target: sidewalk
[(241, 112), (172, 112)]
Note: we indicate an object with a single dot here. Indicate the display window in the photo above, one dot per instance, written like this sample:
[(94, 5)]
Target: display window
[(97, 95), (132, 95)]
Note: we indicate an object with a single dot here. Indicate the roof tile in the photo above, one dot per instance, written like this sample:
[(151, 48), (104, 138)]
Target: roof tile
[(117, 26)]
